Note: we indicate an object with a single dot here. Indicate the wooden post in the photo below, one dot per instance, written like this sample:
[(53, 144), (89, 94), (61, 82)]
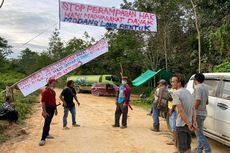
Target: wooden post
[(122, 71), (9, 93)]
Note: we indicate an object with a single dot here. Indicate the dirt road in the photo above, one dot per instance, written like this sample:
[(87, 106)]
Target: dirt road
[(96, 115)]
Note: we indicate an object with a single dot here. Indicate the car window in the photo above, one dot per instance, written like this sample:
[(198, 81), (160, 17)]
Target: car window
[(212, 86), (109, 86), (103, 85), (100, 85), (226, 90), (96, 85)]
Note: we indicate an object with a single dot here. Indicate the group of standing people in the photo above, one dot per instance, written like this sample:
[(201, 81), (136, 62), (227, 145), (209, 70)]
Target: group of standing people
[(68, 95), (187, 112), (49, 106)]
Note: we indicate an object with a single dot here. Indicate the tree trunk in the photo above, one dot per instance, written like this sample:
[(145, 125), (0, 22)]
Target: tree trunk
[(165, 48), (198, 33)]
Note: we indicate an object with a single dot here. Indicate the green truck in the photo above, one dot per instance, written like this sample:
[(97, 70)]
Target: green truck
[(85, 82)]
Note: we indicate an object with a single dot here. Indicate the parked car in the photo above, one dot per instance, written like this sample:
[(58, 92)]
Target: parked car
[(105, 89), (217, 123)]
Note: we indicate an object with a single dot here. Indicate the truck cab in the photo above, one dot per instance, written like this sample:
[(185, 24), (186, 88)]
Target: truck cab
[(85, 82)]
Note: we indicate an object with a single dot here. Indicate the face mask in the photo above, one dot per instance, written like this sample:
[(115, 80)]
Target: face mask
[(123, 82)]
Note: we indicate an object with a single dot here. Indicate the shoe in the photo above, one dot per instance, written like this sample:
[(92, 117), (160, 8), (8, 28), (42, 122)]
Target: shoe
[(42, 143), (115, 126), (76, 125), (50, 137), (123, 127), (156, 128), (65, 128)]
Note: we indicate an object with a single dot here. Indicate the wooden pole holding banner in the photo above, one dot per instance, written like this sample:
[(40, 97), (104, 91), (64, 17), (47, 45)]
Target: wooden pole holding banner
[(122, 71), (1, 4), (59, 23)]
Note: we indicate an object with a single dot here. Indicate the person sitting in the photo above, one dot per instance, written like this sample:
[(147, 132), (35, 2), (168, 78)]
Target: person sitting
[(7, 112)]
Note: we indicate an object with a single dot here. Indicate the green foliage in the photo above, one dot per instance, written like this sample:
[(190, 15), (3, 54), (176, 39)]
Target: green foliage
[(145, 103), (224, 67), (74, 45), (9, 78), (5, 49), (56, 46), (140, 90), (22, 104), (29, 61), (3, 138)]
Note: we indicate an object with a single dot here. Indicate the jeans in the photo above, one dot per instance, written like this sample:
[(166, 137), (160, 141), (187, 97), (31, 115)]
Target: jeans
[(66, 112), (202, 140), (48, 119), (184, 138), (120, 109), (172, 121), (156, 113)]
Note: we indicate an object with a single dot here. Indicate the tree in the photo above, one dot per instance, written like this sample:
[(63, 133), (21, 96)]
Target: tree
[(5, 49), (29, 61), (198, 34), (56, 46), (74, 45)]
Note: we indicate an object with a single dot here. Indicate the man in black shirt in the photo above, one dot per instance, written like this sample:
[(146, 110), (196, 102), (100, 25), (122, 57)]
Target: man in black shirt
[(67, 96)]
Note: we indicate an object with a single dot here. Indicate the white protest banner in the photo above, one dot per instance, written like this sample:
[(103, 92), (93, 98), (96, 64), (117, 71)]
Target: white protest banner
[(107, 17), (40, 78)]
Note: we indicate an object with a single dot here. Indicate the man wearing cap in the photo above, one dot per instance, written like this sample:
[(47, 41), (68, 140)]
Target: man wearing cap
[(122, 102), (159, 100), (48, 109)]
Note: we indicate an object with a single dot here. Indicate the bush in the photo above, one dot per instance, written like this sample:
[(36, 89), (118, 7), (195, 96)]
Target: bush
[(139, 90), (9, 78), (145, 103), (3, 138), (224, 67), (22, 104)]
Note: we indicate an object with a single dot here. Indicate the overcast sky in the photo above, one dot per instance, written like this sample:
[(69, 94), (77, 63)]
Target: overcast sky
[(21, 20)]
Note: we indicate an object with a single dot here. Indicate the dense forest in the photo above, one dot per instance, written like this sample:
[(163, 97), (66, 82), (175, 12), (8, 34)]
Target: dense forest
[(174, 47)]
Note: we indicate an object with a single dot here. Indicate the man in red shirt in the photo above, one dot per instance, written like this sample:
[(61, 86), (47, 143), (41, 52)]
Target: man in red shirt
[(48, 109)]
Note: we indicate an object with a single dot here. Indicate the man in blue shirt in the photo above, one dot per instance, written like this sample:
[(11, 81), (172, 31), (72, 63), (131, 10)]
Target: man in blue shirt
[(123, 98)]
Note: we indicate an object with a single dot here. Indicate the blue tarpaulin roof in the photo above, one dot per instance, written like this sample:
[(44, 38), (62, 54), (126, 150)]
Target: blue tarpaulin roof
[(144, 77)]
